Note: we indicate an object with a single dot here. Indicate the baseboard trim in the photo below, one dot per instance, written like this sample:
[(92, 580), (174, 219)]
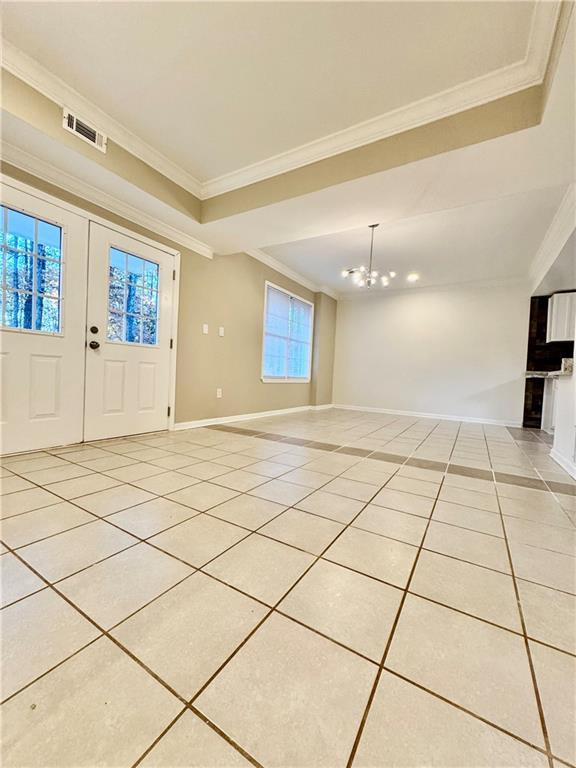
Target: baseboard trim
[(440, 416), (246, 416), (566, 464)]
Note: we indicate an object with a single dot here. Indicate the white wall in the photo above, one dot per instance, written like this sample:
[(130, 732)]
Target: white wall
[(457, 351)]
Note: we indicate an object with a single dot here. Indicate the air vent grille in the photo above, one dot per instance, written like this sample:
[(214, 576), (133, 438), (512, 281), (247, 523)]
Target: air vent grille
[(84, 131)]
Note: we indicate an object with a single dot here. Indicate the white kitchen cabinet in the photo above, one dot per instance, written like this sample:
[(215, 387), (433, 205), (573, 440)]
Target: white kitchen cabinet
[(561, 317)]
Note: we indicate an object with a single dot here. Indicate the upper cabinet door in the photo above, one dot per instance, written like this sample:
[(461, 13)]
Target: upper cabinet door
[(561, 317)]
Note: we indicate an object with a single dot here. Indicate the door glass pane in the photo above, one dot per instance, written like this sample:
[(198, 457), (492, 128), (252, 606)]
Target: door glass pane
[(133, 284), (47, 314), (18, 310), (30, 272), (115, 327)]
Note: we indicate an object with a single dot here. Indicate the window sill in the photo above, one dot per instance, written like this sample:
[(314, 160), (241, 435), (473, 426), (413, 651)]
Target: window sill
[(265, 380)]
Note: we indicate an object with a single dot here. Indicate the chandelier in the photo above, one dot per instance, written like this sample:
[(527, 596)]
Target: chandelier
[(368, 277)]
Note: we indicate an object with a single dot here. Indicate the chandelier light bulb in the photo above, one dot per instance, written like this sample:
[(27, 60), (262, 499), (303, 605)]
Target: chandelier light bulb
[(345, 272), (385, 281), (392, 274), (362, 268), (412, 277)]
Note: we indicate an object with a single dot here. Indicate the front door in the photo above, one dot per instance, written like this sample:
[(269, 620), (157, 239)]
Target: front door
[(128, 335), (43, 258)]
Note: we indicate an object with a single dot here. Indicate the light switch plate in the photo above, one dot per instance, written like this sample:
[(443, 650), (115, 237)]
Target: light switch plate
[(218, 392), (205, 328), (221, 331)]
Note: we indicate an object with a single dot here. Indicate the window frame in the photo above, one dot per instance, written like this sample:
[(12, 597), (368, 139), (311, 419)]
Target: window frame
[(285, 379), (34, 293)]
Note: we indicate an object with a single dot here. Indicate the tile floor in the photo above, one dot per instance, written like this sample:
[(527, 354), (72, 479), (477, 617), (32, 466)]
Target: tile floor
[(320, 589)]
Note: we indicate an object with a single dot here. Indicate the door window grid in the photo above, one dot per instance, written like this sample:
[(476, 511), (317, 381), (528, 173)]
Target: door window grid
[(30, 273), (133, 284), (287, 336)]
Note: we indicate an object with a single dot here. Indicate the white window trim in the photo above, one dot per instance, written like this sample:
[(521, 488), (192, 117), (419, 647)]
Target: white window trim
[(285, 379)]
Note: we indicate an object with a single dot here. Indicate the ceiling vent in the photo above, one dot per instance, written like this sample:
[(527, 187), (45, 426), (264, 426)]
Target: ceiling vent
[(84, 131)]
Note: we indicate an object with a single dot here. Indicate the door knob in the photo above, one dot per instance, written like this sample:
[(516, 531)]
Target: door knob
[(94, 345)]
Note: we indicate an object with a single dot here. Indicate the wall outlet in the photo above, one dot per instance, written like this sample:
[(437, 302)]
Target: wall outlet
[(221, 331), (205, 328), (219, 392)]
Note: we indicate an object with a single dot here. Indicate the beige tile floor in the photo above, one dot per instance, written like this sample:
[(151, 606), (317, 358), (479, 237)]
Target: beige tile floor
[(319, 589)]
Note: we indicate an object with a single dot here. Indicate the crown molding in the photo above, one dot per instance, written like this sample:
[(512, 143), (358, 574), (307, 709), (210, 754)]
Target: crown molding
[(47, 172), (273, 263), (41, 79), (473, 93), (562, 226)]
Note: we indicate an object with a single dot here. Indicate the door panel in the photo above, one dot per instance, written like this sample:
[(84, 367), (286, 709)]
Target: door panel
[(43, 259), (129, 326)]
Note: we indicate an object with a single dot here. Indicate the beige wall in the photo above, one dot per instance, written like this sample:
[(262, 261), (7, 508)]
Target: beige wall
[(227, 291), (324, 340)]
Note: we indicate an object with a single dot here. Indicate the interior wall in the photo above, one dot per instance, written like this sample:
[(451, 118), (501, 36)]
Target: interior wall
[(325, 308), (228, 291), (224, 291), (458, 351)]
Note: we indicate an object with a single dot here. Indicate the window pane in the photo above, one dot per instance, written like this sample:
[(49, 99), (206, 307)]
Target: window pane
[(117, 266), (149, 303), (149, 331), (19, 271), (275, 357), (116, 297), (48, 277), (115, 327), (133, 298), (151, 275), (133, 328), (47, 314), (2, 233), (277, 312), (300, 321), (30, 277), (18, 310), (298, 354), (20, 231), (135, 269), (49, 240)]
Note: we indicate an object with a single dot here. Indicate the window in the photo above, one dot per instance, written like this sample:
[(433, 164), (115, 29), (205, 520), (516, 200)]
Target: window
[(30, 273), (132, 298), (287, 336)]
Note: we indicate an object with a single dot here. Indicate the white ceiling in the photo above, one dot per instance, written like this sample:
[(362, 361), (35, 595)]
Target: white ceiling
[(218, 86), (495, 239), (478, 213)]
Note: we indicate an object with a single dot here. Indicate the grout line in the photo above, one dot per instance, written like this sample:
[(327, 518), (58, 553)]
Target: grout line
[(527, 645), (390, 637)]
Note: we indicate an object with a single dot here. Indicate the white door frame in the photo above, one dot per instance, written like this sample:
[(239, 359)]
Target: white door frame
[(40, 195)]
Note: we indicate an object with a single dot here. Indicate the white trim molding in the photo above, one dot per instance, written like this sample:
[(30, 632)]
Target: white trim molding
[(562, 226), (473, 93), (247, 416), (48, 172), (565, 463), (438, 416), (278, 266)]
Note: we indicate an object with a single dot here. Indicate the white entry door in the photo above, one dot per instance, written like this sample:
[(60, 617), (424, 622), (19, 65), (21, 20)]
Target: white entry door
[(129, 319), (43, 258)]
